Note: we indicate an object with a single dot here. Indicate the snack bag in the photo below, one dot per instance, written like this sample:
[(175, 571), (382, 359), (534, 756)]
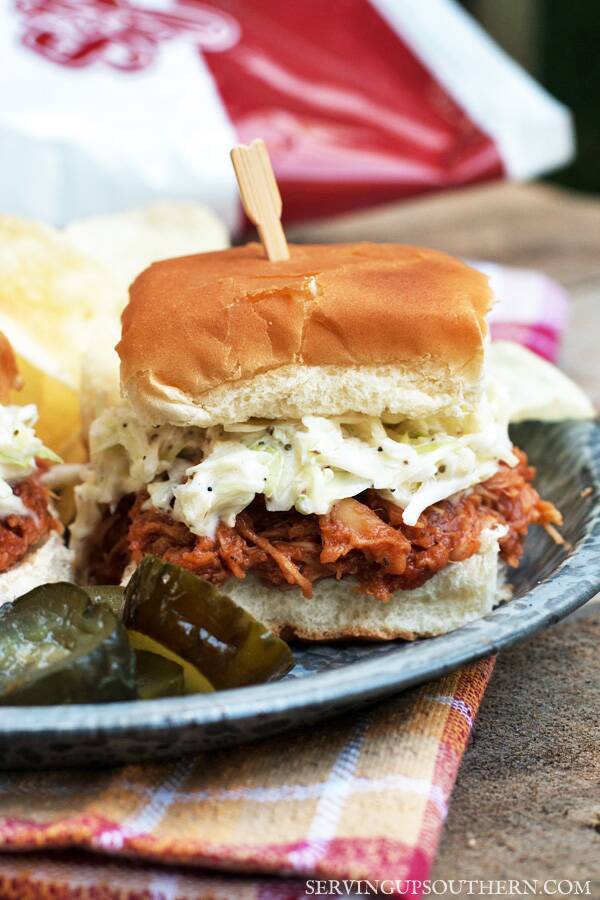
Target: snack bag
[(113, 103)]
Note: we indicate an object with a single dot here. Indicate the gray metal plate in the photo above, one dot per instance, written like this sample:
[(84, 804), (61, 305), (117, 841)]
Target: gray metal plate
[(330, 679)]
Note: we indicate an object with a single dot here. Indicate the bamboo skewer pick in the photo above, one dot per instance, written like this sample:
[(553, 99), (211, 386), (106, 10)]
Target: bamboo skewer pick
[(260, 196)]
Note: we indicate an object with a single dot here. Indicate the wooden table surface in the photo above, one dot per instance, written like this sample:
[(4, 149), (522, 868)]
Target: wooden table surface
[(527, 800)]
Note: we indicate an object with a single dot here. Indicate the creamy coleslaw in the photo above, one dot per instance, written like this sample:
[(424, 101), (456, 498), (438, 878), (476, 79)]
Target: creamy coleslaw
[(19, 448), (203, 477)]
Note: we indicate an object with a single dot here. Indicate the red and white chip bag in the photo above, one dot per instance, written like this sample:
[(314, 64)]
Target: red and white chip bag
[(112, 103)]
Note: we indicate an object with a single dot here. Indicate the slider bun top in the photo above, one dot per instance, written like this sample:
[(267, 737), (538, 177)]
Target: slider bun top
[(382, 329)]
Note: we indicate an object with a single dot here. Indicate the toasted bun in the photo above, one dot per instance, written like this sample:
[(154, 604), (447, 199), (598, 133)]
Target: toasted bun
[(48, 562), (381, 329)]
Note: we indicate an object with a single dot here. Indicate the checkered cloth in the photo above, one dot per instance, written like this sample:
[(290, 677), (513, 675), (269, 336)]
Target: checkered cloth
[(362, 797)]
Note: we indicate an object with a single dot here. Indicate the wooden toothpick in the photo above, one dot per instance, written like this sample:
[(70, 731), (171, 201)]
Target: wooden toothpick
[(260, 196)]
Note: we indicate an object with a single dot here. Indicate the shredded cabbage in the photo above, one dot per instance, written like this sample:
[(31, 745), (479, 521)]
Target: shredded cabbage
[(207, 477), (19, 448)]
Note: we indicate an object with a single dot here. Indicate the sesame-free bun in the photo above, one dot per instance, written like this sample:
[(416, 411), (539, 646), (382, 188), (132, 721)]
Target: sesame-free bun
[(382, 329)]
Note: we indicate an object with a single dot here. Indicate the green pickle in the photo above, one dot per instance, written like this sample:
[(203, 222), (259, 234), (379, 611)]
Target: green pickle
[(194, 681), (56, 646), (157, 676), (200, 624), (113, 595)]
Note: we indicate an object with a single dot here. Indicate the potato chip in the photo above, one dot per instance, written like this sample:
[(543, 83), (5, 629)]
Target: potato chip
[(9, 372), (49, 295), (61, 296), (100, 370), (128, 242), (59, 414)]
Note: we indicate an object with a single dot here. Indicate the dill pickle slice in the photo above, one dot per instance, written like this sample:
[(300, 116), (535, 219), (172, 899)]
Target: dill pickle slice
[(56, 647), (197, 622), (157, 676), (113, 595), (194, 681)]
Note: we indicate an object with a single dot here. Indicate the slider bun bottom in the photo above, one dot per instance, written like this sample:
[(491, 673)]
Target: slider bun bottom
[(47, 563), (457, 594)]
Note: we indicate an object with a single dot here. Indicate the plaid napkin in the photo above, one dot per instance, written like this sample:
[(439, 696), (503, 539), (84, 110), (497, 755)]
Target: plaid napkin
[(360, 798), (363, 797)]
